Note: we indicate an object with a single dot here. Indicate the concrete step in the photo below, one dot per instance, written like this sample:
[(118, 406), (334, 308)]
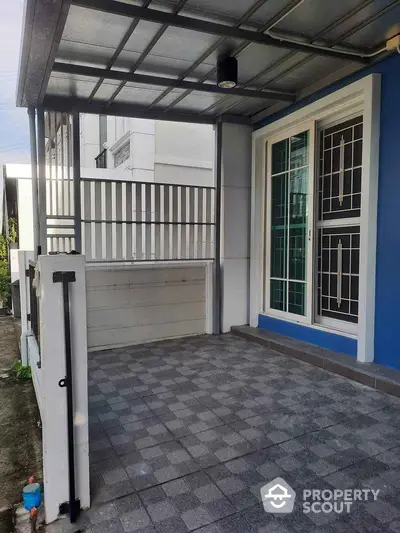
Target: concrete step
[(377, 376)]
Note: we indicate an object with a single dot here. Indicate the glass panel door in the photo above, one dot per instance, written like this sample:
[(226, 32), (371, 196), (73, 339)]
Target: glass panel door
[(290, 195)]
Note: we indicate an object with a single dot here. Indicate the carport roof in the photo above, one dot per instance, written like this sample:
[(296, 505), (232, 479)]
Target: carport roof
[(157, 58)]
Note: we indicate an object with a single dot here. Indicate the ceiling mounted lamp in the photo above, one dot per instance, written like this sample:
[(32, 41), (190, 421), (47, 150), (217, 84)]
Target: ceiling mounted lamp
[(227, 73)]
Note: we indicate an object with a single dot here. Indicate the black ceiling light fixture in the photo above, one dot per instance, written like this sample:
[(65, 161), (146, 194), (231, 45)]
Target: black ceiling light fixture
[(227, 73)]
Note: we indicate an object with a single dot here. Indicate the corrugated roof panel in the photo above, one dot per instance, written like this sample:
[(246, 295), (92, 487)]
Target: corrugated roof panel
[(91, 37), (224, 102), (138, 95), (269, 11), (179, 43), (71, 86), (274, 73), (254, 59), (311, 16), (86, 54), (170, 98), (106, 90), (312, 70), (222, 7), (364, 18), (141, 37), (158, 66), (248, 106), (378, 32), (197, 101), (94, 27)]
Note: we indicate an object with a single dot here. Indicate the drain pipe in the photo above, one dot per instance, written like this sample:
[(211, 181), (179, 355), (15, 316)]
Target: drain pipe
[(284, 39), (351, 54), (34, 170)]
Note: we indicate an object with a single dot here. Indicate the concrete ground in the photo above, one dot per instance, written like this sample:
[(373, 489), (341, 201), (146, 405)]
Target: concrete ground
[(184, 433), (20, 446)]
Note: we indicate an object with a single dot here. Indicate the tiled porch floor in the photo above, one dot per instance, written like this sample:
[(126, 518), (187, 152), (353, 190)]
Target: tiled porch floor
[(184, 433)]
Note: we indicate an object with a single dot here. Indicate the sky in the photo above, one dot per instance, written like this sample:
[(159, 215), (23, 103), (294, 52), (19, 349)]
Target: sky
[(14, 127)]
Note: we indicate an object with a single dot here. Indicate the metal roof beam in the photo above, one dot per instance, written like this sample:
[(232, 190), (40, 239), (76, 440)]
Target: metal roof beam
[(147, 50), (203, 26), (244, 18), (119, 49), (43, 24), (67, 68), (320, 35), (67, 105), (289, 8)]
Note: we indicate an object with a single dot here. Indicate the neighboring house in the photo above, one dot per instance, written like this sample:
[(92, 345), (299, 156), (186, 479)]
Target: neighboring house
[(162, 152), (150, 150)]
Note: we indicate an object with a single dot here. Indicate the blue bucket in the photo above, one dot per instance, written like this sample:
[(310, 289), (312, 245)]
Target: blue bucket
[(31, 496)]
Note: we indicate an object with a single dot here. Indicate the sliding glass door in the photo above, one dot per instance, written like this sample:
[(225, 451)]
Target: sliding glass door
[(290, 170)]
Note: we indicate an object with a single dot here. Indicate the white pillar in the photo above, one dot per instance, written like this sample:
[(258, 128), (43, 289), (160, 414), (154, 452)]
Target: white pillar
[(235, 224), (23, 263), (53, 401)]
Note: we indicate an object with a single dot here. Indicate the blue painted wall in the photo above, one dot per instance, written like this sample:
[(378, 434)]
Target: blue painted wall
[(387, 310), (337, 343)]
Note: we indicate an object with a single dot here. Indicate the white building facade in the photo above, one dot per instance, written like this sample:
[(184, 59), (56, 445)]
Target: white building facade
[(149, 150)]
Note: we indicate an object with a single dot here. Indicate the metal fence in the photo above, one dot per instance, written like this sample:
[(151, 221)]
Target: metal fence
[(33, 315), (60, 212), (121, 220), (140, 221)]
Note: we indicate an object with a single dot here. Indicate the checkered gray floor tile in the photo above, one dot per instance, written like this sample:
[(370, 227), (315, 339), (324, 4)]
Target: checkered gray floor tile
[(183, 433), (151, 466)]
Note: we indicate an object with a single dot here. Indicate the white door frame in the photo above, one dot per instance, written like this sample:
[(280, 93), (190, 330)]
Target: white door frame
[(307, 318), (364, 93)]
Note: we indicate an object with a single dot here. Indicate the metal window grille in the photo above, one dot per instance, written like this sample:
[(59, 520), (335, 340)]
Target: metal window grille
[(339, 208)]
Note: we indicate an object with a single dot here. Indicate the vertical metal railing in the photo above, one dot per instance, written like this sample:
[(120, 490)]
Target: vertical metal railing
[(34, 314), (145, 221), (60, 212)]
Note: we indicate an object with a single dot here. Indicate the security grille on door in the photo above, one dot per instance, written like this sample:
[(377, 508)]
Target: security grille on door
[(339, 205), (339, 256)]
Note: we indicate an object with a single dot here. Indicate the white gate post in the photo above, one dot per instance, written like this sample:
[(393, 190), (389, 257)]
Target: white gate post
[(53, 369)]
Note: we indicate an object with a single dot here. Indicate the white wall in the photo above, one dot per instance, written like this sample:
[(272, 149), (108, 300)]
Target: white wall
[(25, 214), (183, 175), (191, 142), (90, 140), (46, 376), (170, 152), (235, 224), (142, 303)]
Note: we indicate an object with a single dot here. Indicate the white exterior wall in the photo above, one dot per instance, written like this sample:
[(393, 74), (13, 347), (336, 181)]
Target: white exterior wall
[(160, 151), (89, 126), (142, 303), (191, 143), (46, 376), (235, 224), (165, 152), (25, 214)]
